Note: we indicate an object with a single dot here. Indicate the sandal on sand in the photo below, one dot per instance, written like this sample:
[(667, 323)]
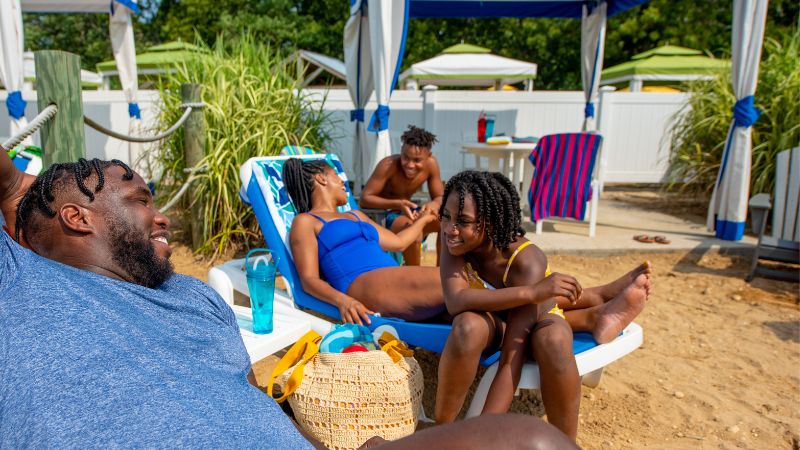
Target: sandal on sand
[(644, 238), (661, 240)]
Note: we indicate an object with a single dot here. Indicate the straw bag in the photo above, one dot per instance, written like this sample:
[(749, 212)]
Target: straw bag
[(343, 399)]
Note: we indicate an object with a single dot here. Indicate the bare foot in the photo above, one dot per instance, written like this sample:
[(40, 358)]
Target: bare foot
[(616, 314), (611, 290)]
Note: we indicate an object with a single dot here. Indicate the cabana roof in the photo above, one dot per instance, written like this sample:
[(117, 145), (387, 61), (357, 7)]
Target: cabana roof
[(469, 65)]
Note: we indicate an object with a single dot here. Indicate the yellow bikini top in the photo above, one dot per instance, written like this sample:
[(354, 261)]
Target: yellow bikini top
[(476, 282)]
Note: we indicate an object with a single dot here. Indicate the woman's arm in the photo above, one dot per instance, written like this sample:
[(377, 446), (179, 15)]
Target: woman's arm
[(304, 245), (459, 297), (392, 242)]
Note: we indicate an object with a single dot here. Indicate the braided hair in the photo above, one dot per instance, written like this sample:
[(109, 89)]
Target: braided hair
[(496, 202), (298, 177), (54, 180), (418, 137)]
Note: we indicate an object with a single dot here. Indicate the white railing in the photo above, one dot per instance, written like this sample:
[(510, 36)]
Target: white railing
[(635, 125)]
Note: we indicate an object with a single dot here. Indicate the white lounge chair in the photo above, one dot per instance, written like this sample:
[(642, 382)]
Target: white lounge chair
[(783, 245)]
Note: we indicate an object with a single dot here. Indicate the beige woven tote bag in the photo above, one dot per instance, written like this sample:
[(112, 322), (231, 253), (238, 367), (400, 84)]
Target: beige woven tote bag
[(343, 399)]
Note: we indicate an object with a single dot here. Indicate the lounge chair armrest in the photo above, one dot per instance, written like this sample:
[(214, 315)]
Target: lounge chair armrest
[(760, 201)]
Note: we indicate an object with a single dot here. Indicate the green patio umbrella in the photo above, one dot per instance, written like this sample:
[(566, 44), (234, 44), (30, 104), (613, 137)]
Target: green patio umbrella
[(667, 65), (157, 60)]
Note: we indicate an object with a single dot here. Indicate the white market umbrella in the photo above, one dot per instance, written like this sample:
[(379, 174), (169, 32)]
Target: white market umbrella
[(358, 66), (374, 40), (468, 65), (728, 209), (593, 42)]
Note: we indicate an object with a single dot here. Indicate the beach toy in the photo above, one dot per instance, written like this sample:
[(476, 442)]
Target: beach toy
[(355, 348), (343, 336)]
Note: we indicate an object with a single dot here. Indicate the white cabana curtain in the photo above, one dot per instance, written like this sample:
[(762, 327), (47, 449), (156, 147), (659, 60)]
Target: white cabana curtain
[(387, 25), (11, 63), (728, 208), (120, 29), (593, 38), (358, 64)]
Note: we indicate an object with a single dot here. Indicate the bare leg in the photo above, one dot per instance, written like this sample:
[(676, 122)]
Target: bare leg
[(410, 293), (598, 295), (551, 343), (516, 341), (496, 431), (614, 316), (472, 333)]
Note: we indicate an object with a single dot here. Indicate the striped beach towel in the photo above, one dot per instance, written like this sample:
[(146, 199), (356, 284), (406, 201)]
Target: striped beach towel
[(561, 184)]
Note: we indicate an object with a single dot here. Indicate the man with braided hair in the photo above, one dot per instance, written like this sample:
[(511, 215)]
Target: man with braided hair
[(397, 177), (103, 346)]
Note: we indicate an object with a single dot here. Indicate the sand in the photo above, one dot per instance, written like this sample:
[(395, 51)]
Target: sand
[(719, 368)]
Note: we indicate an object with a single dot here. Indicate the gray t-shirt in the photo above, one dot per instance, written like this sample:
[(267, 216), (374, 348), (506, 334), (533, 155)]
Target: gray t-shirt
[(90, 361)]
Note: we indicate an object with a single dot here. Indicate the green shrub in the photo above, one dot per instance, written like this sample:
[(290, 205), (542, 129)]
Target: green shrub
[(253, 108), (701, 128)]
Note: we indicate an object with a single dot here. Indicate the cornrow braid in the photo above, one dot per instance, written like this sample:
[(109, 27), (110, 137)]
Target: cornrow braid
[(418, 137), (298, 177), (43, 190), (496, 203)]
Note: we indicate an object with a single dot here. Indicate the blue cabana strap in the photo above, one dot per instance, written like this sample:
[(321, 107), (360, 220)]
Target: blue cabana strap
[(357, 114), (134, 111), (15, 104), (380, 119), (588, 110), (745, 113)]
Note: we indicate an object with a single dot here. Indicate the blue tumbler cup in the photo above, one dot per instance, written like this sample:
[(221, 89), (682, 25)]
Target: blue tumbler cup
[(489, 125), (261, 265)]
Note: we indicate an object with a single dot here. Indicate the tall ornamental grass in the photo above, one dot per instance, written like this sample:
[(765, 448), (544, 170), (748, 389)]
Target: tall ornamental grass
[(701, 128), (254, 107)]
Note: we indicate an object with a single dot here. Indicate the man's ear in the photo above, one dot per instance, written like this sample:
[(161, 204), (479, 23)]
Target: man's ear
[(77, 218)]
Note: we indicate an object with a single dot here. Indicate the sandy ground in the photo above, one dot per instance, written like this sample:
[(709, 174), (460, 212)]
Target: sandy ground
[(719, 368)]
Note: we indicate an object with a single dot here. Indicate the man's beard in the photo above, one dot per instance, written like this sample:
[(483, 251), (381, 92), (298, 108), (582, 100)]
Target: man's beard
[(136, 256)]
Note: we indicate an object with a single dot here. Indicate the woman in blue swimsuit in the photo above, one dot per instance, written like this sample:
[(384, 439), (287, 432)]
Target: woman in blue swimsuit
[(341, 257)]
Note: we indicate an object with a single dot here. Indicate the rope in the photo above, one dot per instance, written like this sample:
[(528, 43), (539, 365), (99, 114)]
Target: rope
[(183, 188), (48, 113), (124, 137)]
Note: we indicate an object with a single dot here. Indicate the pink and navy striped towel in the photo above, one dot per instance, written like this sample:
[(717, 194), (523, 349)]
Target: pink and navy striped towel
[(561, 184)]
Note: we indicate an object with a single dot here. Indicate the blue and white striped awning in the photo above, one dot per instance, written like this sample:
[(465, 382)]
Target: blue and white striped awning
[(74, 6), (570, 9)]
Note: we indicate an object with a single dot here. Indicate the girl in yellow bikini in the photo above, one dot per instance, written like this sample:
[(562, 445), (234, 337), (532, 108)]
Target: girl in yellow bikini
[(499, 288)]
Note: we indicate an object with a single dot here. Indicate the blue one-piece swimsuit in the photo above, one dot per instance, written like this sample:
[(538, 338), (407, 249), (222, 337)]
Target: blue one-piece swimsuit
[(348, 248)]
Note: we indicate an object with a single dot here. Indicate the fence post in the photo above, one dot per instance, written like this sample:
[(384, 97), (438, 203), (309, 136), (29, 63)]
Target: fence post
[(603, 127), (58, 80), (194, 142), (429, 107)]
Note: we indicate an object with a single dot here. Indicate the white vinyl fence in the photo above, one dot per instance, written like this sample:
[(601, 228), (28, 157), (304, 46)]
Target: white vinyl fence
[(635, 126)]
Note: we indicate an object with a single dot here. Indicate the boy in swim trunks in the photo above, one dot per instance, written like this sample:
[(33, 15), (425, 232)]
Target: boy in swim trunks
[(397, 177)]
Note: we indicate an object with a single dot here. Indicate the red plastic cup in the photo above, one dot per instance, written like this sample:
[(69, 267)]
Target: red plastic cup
[(482, 129)]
